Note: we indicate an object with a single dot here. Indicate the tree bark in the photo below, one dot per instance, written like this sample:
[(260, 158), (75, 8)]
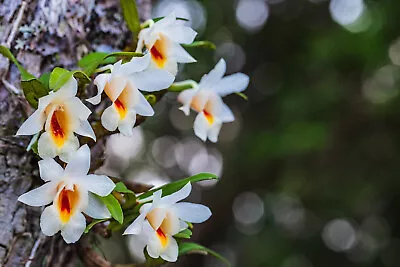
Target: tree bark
[(43, 34)]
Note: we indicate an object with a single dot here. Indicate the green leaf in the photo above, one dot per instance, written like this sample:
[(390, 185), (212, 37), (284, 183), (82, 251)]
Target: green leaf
[(93, 223), (168, 189), (182, 86), (33, 144), (152, 99), (160, 18), (201, 44), (121, 187), (44, 79), (33, 90), (32, 87), (187, 248), (124, 54), (114, 207), (187, 233), (131, 16), (25, 75), (90, 62), (60, 76), (242, 95)]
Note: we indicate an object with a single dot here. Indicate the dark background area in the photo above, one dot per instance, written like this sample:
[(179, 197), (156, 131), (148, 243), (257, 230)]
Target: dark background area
[(312, 176), (310, 167)]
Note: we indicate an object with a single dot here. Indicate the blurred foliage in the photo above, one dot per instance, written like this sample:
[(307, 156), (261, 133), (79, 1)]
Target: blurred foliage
[(309, 132)]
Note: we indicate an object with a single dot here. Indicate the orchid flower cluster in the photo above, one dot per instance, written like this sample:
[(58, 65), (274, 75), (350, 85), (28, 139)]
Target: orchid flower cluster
[(70, 194)]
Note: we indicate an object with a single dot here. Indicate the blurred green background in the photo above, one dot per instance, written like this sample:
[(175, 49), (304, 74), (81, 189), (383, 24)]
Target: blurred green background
[(310, 168)]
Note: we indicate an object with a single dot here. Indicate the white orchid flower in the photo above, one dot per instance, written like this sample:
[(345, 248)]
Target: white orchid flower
[(121, 86), (72, 192), (160, 220), (62, 115), (206, 99), (162, 39)]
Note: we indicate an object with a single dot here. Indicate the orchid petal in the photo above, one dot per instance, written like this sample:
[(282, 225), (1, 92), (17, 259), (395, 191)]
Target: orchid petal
[(181, 55), (96, 208), (73, 230), (201, 126), (33, 124), (99, 184), (79, 162), (183, 193), (143, 106), (126, 125), (46, 146), (213, 132), (85, 129), (171, 251), (78, 109), (70, 146), (49, 221), (110, 118), (180, 34), (100, 81), (234, 83), (40, 196), (193, 213), (152, 80), (214, 76), (50, 170)]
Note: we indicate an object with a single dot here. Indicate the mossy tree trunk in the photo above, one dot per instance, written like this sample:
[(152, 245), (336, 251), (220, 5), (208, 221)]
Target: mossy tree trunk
[(43, 34)]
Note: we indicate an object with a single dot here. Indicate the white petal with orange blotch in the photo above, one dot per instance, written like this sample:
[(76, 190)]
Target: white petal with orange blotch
[(164, 217), (163, 39), (71, 191)]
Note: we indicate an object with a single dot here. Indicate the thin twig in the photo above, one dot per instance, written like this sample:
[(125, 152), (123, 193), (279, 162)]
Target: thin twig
[(16, 24), (34, 250)]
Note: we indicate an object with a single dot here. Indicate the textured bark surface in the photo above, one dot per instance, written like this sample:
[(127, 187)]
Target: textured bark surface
[(43, 34)]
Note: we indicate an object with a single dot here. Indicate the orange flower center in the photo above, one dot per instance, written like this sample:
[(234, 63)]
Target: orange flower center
[(209, 116), (158, 52), (59, 125), (67, 200), (120, 108), (163, 238)]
